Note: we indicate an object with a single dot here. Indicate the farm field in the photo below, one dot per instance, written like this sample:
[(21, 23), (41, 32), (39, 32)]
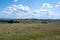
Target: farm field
[(34, 31)]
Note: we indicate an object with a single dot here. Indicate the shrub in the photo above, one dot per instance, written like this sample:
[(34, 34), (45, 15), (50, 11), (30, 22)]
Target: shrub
[(10, 21), (45, 22)]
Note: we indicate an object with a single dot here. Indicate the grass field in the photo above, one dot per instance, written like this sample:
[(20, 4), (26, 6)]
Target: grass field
[(34, 31)]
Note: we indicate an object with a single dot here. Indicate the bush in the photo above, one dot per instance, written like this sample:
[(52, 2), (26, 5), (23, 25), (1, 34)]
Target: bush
[(11, 21), (45, 22)]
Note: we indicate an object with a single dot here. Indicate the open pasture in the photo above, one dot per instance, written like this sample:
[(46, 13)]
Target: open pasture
[(34, 31)]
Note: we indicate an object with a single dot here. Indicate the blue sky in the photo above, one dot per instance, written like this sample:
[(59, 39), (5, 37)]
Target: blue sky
[(38, 9)]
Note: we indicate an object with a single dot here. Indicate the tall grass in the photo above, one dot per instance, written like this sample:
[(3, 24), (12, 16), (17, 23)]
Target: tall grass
[(29, 32)]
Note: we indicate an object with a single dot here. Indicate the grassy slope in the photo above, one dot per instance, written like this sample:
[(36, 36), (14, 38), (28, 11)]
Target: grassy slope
[(20, 31)]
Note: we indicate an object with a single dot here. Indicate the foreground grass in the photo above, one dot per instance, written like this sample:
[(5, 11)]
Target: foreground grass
[(35, 31)]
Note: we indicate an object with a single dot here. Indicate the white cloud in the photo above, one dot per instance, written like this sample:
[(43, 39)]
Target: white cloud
[(57, 5), (47, 5), (43, 10), (23, 11), (23, 8), (47, 13), (17, 11), (41, 13), (58, 2), (15, 0)]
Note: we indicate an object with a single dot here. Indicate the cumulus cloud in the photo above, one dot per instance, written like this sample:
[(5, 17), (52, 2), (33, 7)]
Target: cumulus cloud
[(48, 11), (42, 13), (15, 0), (47, 5), (23, 11), (53, 15), (17, 11), (23, 8), (57, 5)]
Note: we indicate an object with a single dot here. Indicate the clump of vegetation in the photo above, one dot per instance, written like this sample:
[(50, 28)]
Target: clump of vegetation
[(10, 21), (45, 22)]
